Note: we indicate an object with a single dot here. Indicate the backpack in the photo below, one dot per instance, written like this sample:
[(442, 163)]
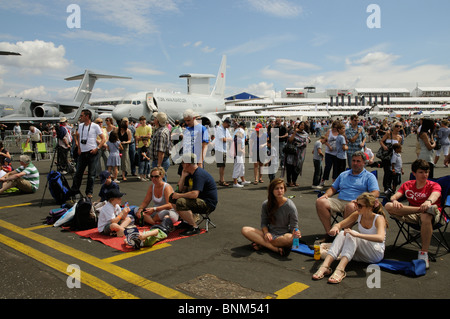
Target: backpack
[(58, 187), (54, 215), (60, 131), (85, 217)]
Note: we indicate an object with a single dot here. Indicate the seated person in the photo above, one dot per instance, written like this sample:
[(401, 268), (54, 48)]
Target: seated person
[(25, 177), (112, 220), (158, 192), (198, 193), (107, 185), (350, 184), (365, 245), (424, 198), (149, 237), (279, 219)]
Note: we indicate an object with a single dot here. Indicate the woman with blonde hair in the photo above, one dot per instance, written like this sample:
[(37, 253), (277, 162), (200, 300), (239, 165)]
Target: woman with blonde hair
[(427, 143), (365, 245), (279, 221), (158, 192)]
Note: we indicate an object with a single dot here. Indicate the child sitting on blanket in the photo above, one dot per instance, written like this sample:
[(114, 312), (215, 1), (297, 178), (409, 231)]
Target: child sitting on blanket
[(148, 238), (113, 220)]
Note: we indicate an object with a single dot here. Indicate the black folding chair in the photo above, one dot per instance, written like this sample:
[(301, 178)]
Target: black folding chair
[(411, 231)]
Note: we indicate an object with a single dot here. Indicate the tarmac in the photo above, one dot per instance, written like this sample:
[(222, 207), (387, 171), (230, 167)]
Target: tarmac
[(45, 262)]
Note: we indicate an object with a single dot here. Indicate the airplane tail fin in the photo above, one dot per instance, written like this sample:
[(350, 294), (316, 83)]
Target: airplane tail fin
[(87, 84), (219, 87)]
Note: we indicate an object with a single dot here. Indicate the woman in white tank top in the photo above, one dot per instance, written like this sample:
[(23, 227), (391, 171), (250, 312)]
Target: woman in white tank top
[(158, 192), (366, 245)]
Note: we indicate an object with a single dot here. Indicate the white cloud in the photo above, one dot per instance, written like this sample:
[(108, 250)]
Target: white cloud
[(279, 8), (263, 43), (140, 69), (36, 56)]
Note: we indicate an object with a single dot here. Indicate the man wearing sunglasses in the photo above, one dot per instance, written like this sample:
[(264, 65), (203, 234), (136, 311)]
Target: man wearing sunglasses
[(349, 185)]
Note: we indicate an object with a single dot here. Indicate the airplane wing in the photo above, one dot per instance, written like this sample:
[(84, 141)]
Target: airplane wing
[(260, 108)]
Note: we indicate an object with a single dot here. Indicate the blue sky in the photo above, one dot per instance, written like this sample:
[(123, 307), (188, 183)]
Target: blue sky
[(270, 45)]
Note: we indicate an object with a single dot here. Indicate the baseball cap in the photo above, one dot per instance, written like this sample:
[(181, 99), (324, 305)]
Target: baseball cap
[(114, 193)]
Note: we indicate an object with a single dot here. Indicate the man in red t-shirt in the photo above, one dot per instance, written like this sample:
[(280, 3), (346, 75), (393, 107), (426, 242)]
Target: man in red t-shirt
[(424, 208)]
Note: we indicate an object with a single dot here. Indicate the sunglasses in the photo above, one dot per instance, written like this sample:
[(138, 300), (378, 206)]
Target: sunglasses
[(360, 206), (155, 176), (398, 126)]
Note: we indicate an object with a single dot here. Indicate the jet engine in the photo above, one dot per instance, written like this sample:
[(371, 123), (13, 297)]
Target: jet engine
[(210, 119), (46, 110)]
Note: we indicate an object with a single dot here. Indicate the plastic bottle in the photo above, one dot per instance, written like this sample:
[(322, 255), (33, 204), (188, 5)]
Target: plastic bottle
[(317, 249), (295, 242)]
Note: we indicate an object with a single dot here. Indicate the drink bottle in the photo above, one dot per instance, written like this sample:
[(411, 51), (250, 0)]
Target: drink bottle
[(317, 249), (295, 242)]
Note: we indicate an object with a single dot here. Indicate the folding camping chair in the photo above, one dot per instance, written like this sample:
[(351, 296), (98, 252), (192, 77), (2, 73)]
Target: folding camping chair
[(205, 217), (411, 231)]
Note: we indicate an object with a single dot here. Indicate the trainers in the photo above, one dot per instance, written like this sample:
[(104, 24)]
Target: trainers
[(245, 182), (322, 183), (317, 186), (238, 185), (424, 255), (191, 231)]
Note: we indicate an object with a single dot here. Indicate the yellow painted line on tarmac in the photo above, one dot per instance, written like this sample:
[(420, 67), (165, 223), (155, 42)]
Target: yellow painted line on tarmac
[(135, 253), (122, 273), (290, 291), (18, 205), (38, 227), (54, 263)]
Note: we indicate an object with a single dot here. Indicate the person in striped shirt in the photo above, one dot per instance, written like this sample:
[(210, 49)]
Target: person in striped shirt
[(25, 177)]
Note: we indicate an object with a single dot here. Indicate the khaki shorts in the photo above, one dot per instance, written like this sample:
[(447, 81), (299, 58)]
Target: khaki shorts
[(415, 218), (23, 185), (197, 206), (337, 205)]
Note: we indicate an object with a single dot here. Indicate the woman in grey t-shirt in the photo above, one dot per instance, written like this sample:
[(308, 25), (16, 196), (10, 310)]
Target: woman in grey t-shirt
[(279, 221)]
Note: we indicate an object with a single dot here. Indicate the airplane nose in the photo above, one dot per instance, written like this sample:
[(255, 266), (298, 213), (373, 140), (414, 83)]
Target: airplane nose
[(118, 113)]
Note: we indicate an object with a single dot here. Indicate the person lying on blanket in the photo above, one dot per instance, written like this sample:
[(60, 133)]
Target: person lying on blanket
[(112, 220), (148, 238)]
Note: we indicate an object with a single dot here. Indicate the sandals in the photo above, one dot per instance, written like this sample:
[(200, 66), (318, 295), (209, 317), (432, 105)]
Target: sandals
[(255, 246), (255, 183), (337, 278), (224, 184), (319, 274)]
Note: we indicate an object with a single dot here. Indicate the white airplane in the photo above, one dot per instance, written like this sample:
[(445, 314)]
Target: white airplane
[(210, 106), (29, 110)]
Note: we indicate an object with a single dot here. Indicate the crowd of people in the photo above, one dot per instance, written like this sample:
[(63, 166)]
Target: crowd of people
[(148, 150)]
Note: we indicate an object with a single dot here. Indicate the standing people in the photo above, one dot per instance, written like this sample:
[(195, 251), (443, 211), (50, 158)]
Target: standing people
[(195, 137), (282, 139), (64, 143), (143, 132), (294, 162), (114, 147), (389, 139), (330, 153), (86, 142), (125, 140), (356, 137), (258, 151), (443, 136), (132, 149), (35, 136), (17, 132), (161, 144), (427, 144), (239, 156), (342, 149), (279, 219), (222, 138), (318, 157), (103, 153), (365, 245)]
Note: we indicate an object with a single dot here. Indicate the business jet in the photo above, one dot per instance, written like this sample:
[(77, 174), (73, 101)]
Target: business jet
[(210, 106), (30, 110)]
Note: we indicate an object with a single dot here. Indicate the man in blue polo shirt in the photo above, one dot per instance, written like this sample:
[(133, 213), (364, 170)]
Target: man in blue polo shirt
[(350, 184)]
